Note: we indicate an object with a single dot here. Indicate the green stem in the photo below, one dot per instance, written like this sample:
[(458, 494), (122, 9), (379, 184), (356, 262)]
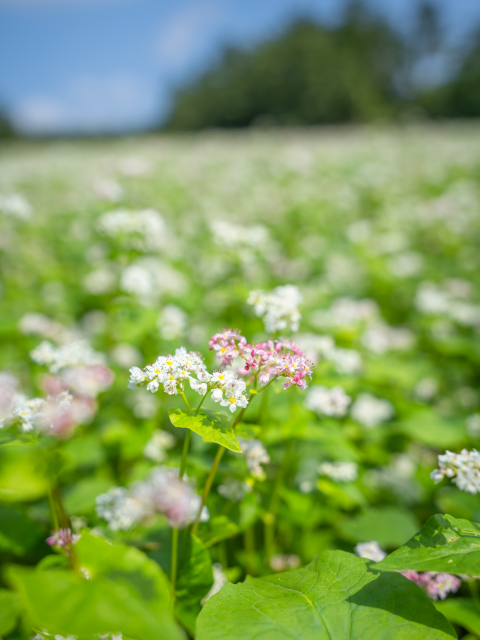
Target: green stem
[(201, 402), (271, 516), (474, 591), (185, 401), (53, 508), (249, 542), (207, 487)]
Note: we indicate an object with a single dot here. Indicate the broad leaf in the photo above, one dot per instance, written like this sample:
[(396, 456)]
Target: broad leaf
[(213, 426), (9, 610), (444, 544), (462, 611), (218, 528), (389, 526), (127, 592), (336, 597), (195, 579)]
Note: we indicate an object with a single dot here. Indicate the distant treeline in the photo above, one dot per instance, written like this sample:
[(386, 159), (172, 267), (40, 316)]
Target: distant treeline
[(361, 70)]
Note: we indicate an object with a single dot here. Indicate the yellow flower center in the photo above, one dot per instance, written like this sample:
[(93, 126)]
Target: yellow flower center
[(232, 400)]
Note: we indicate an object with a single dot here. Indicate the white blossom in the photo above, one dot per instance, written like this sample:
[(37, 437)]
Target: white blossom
[(69, 355), (172, 323), (370, 550), (370, 411), (256, 455), (158, 445), (339, 471), (277, 308), (16, 206), (329, 402), (234, 489), (120, 509), (462, 468), (219, 581), (381, 338)]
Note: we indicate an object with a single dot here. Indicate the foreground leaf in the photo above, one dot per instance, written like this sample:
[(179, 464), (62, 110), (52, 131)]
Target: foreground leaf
[(218, 528), (127, 593), (462, 611), (444, 544), (18, 533), (195, 579), (336, 596), (213, 426), (9, 610)]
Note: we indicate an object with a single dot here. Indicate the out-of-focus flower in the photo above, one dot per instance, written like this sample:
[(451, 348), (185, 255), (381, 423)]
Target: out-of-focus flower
[(381, 338), (120, 509), (281, 562), (345, 312), (172, 323), (339, 471), (219, 581), (8, 395), (63, 538), (108, 189), (256, 455), (370, 411), (143, 404), (101, 280), (158, 445), (16, 206), (277, 308), (64, 356), (426, 389), (145, 229), (347, 361), (406, 265), (473, 425), (125, 355), (436, 585), (328, 402), (234, 489), (462, 468), (37, 324), (370, 550), (148, 278)]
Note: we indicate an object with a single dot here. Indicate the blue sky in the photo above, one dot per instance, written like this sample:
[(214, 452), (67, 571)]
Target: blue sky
[(88, 65)]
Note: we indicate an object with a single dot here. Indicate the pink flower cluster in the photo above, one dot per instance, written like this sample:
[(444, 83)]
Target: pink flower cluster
[(436, 585), (265, 360), (62, 538)]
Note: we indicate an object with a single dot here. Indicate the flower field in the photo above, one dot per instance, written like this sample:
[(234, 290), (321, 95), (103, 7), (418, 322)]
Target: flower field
[(239, 386)]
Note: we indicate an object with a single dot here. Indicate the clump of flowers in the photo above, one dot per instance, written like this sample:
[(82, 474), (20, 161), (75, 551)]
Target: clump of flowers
[(370, 550), (328, 402), (161, 492), (234, 489), (339, 471), (370, 411), (158, 445), (283, 562), (63, 539), (277, 308), (436, 585), (462, 468), (256, 455)]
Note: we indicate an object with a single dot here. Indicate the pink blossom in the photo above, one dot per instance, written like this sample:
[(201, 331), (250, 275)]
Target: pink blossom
[(62, 538), (436, 585)]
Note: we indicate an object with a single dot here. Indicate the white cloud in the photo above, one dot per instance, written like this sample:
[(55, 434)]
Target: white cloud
[(180, 38), (89, 104)]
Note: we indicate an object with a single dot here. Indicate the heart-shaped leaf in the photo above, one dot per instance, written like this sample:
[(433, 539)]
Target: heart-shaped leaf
[(337, 596), (127, 592), (213, 426), (444, 544)]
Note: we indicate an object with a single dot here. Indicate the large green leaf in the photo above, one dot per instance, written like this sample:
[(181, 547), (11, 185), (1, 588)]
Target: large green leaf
[(126, 592), (213, 426), (218, 528), (462, 611), (9, 610), (336, 597), (195, 579), (389, 526), (443, 544)]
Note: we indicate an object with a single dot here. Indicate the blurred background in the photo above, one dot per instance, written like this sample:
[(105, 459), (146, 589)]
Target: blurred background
[(73, 67)]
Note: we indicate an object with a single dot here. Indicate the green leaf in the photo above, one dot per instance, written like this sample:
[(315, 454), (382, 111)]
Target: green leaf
[(213, 426), (219, 528), (462, 611), (195, 579), (9, 610), (444, 544), (389, 526), (23, 474), (80, 498), (18, 533), (127, 593), (336, 597), (428, 427)]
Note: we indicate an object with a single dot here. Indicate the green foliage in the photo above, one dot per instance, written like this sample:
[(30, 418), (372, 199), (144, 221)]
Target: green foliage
[(213, 426), (461, 611), (444, 544), (389, 526), (337, 595), (126, 593), (9, 610), (18, 533)]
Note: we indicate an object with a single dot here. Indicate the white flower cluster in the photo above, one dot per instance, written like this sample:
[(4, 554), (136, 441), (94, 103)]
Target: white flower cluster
[(339, 471), (234, 489), (370, 411), (158, 445), (328, 402), (148, 278), (345, 312), (69, 355), (256, 455), (16, 206), (277, 308), (172, 372), (284, 562), (172, 322), (144, 229), (370, 550), (233, 236), (37, 324), (318, 347), (463, 469), (381, 338), (162, 492), (448, 299), (473, 425)]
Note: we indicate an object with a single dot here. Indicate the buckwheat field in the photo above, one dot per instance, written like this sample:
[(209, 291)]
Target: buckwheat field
[(239, 388)]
